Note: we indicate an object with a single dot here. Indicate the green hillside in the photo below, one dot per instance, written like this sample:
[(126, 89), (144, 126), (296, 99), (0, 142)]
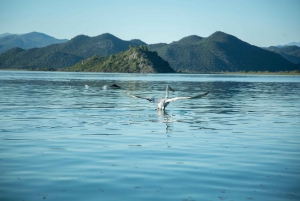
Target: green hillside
[(219, 52), (134, 60), (66, 54)]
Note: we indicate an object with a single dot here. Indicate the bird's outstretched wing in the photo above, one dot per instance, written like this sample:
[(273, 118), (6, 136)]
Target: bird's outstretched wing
[(152, 99), (184, 98)]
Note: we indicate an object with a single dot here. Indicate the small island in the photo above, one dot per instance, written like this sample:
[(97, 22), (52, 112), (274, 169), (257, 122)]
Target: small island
[(135, 60)]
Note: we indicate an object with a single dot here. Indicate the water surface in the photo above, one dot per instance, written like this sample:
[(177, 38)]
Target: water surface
[(65, 137)]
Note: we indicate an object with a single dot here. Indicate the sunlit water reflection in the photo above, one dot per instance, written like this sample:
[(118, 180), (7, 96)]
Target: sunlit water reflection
[(65, 137)]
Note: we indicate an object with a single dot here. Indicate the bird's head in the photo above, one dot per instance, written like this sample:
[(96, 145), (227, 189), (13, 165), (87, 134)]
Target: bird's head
[(170, 88)]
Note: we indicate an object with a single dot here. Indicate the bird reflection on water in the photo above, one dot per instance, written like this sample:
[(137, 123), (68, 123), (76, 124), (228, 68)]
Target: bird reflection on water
[(166, 119)]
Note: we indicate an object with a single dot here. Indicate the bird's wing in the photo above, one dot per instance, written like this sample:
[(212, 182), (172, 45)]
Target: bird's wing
[(152, 99), (184, 98)]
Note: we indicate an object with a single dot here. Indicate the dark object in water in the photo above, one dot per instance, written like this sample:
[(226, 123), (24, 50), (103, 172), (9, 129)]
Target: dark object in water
[(115, 86)]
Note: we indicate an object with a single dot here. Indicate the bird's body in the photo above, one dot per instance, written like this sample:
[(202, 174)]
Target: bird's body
[(113, 86), (164, 102)]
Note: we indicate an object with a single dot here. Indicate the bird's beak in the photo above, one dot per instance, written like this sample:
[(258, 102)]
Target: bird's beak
[(171, 89)]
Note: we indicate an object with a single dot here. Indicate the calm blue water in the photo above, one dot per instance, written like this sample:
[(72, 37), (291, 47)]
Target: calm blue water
[(64, 137)]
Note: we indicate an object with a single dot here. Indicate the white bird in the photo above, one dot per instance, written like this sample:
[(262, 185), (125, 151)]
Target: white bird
[(164, 102)]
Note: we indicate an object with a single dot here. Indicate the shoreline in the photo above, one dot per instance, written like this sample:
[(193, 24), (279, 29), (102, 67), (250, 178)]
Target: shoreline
[(296, 72)]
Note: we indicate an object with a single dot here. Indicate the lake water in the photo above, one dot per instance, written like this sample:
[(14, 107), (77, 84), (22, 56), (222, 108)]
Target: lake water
[(65, 137)]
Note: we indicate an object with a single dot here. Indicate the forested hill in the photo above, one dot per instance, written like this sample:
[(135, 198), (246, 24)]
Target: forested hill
[(134, 60), (66, 54), (220, 52), (27, 41)]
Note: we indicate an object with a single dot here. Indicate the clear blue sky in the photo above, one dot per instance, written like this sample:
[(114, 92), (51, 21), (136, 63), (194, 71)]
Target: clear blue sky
[(258, 22)]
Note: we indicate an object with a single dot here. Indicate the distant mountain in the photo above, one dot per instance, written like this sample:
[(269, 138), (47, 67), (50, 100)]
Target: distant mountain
[(27, 41), (5, 34), (219, 52), (134, 60), (294, 44), (291, 53), (66, 54), (290, 44)]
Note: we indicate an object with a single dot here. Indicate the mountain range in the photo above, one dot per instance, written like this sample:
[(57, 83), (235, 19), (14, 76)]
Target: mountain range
[(27, 41), (67, 54), (220, 52)]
